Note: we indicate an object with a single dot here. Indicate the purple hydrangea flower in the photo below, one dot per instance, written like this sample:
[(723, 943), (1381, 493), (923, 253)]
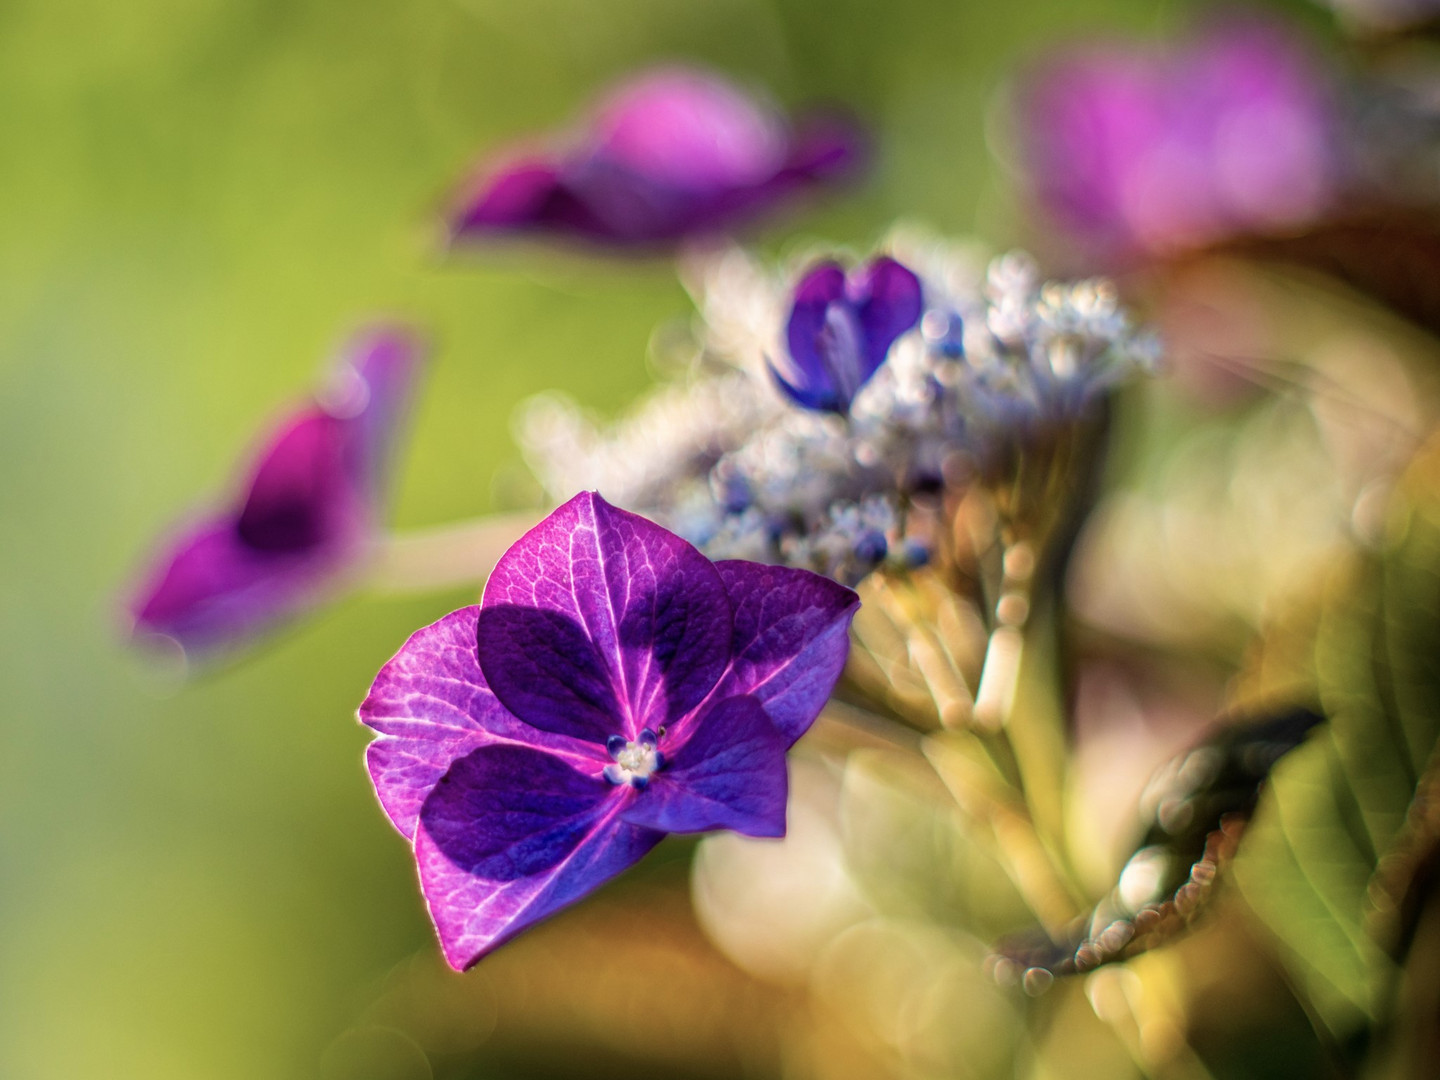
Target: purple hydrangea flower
[(1148, 152), (304, 516), (613, 685), (673, 153), (841, 329)]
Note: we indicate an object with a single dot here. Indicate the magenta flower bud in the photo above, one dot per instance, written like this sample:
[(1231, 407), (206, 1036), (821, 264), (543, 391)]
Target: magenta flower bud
[(674, 153), (304, 516), (613, 685), (1147, 152)]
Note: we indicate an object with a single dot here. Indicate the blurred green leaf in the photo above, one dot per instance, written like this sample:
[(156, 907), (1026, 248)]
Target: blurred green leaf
[(915, 853), (1336, 809)]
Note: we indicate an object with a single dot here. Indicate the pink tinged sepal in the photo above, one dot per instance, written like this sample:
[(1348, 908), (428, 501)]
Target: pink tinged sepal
[(303, 519)]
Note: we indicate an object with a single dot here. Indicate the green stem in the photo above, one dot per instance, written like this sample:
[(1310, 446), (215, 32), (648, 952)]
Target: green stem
[(447, 556)]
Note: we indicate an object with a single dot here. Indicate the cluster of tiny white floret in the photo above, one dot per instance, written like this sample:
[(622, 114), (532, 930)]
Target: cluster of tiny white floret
[(723, 458)]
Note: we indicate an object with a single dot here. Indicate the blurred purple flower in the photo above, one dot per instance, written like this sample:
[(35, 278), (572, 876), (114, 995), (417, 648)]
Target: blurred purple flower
[(305, 516), (841, 329), (1144, 151), (673, 153), (613, 685)]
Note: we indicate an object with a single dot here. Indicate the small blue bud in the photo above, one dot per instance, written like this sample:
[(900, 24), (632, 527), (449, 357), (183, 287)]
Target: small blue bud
[(916, 554), (871, 547), (945, 333)]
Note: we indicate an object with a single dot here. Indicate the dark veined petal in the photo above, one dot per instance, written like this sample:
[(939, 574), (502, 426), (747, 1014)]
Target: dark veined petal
[(651, 608), (888, 301), (508, 837), (729, 774), (431, 706), (548, 670), (791, 640)]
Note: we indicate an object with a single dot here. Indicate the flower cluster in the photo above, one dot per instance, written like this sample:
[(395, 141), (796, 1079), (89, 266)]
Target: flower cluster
[(813, 440), (613, 685)]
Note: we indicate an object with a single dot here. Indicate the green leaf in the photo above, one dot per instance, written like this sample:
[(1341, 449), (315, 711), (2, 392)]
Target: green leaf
[(915, 854), (1336, 809), (1303, 875)]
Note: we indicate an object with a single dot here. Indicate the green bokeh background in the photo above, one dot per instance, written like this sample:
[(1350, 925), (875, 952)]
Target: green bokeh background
[(197, 199)]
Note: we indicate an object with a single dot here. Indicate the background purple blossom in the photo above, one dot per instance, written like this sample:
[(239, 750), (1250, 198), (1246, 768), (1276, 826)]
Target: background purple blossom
[(1139, 148), (671, 153), (304, 517)]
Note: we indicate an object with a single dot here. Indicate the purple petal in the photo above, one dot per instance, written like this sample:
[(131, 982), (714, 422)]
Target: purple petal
[(1084, 117), (807, 396), (674, 153), (373, 390), (820, 288), (1151, 150), (302, 492), (729, 774), (304, 516), (827, 147), (515, 196), (840, 330), (511, 835), (608, 202), (652, 608), (431, 706), (791, 640), (692, 130), (889, 302), (546, 668), (211, 588)]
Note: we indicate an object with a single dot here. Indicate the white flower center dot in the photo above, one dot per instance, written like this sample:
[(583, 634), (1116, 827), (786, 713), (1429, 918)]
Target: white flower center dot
[(634, 760)]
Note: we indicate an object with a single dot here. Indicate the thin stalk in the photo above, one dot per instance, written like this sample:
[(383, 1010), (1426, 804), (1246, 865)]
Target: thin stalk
[(447, 556)]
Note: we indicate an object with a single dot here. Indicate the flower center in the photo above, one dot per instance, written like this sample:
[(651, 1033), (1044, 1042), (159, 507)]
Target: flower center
[(839, 346), (633, 762)]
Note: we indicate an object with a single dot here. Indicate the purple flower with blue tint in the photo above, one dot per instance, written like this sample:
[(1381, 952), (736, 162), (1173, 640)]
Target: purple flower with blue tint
[(613, 685), (841, 329), (1149, 152), (305, 516), (674, 153)]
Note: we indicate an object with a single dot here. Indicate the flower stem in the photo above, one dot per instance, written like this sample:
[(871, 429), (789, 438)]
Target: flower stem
[(1000, 672), (447, 556)]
